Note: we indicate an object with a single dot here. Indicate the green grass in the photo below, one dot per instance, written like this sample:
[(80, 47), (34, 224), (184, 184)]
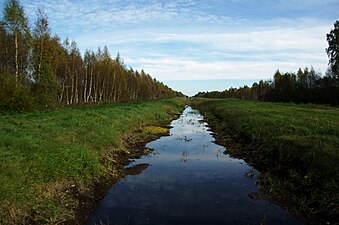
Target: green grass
[(297, 147), (43, 153)]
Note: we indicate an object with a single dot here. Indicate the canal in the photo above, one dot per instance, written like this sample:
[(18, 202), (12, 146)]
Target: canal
[(188, 179)]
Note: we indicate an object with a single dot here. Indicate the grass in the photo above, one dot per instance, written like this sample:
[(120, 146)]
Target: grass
[(45, 155), (296, 147)]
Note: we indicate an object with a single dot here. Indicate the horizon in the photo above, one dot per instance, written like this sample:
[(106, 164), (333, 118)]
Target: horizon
[(195, 40), (207, 85)]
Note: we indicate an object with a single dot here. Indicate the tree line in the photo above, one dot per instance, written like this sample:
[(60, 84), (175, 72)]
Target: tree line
[(304, 86), (39, 70)]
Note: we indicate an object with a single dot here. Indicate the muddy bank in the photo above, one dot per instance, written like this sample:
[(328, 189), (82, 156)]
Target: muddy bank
[(115, 160), (80, 198)]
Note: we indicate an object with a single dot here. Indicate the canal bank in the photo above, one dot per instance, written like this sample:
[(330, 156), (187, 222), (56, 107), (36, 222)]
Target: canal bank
[(188, 179), (55, 164), (294, 146)]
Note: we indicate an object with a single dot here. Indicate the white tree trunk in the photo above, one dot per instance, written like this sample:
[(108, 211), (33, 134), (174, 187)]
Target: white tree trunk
[(16, 59)]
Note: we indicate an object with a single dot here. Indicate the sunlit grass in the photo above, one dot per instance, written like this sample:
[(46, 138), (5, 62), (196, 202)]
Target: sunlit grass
[(297, 144), (39, 151)]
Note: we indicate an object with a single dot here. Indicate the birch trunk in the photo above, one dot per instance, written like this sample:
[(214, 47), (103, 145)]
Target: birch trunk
[(90, 85), (40, 58), (62, 92), (16, 59), (85, 86)]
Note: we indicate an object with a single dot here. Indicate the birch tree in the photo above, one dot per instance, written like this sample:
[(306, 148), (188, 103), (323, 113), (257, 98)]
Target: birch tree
[(44, 65), (16, 25)]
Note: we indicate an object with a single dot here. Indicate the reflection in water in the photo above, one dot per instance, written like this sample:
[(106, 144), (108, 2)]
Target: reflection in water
[(188, 180), (136, 169)]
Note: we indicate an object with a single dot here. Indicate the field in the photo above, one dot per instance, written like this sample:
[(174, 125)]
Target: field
[(50, 161), (295, 146)]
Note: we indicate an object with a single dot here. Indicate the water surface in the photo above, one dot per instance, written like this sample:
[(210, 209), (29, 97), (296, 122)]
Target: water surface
[(188, 180)]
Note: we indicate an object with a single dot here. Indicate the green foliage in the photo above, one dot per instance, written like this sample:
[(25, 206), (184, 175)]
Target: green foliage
[(305, 86), (56, 74), (43, 150), (14, 98), (333, 49), (16, 26), (15, 19), (45, 87), (297, 144)]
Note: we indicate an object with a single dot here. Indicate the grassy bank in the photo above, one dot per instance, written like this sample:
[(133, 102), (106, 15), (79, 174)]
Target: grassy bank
[(49, 161), (296, 147)]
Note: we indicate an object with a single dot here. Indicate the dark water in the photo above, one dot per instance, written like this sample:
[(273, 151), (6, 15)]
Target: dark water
[(188, 180)]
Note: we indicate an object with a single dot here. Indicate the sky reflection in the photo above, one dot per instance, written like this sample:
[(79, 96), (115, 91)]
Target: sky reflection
[(188, 180)]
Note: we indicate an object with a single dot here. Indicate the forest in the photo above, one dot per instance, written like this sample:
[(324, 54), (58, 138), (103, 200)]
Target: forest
[(304, 86), (38, 70)]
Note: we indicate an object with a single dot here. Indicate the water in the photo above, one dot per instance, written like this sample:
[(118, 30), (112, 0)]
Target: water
[(188, 180)]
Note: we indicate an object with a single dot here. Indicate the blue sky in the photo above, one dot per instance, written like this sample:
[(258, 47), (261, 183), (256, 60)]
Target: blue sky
[(229, 42)]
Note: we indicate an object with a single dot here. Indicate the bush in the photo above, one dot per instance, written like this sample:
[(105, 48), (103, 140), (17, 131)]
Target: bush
[(14, 97)]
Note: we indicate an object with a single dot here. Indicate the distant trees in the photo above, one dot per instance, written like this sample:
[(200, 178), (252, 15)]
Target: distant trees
[(332, 75), (38, 70), (333, 50), (304, 86)]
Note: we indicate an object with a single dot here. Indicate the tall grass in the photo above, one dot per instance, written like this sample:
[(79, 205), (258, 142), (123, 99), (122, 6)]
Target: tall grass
[(50, 150), (297, 146)]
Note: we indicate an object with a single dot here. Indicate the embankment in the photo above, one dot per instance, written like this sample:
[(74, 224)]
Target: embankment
[(55, 165), (294, 146)]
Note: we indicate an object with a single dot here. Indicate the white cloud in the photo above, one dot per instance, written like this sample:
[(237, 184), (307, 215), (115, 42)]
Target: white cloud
[(96, 14), (219, 55), (304, 39), (176, 39), (278, 39), (181, 69)]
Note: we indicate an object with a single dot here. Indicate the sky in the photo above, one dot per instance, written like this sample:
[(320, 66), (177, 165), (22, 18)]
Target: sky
[(199, 45)]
